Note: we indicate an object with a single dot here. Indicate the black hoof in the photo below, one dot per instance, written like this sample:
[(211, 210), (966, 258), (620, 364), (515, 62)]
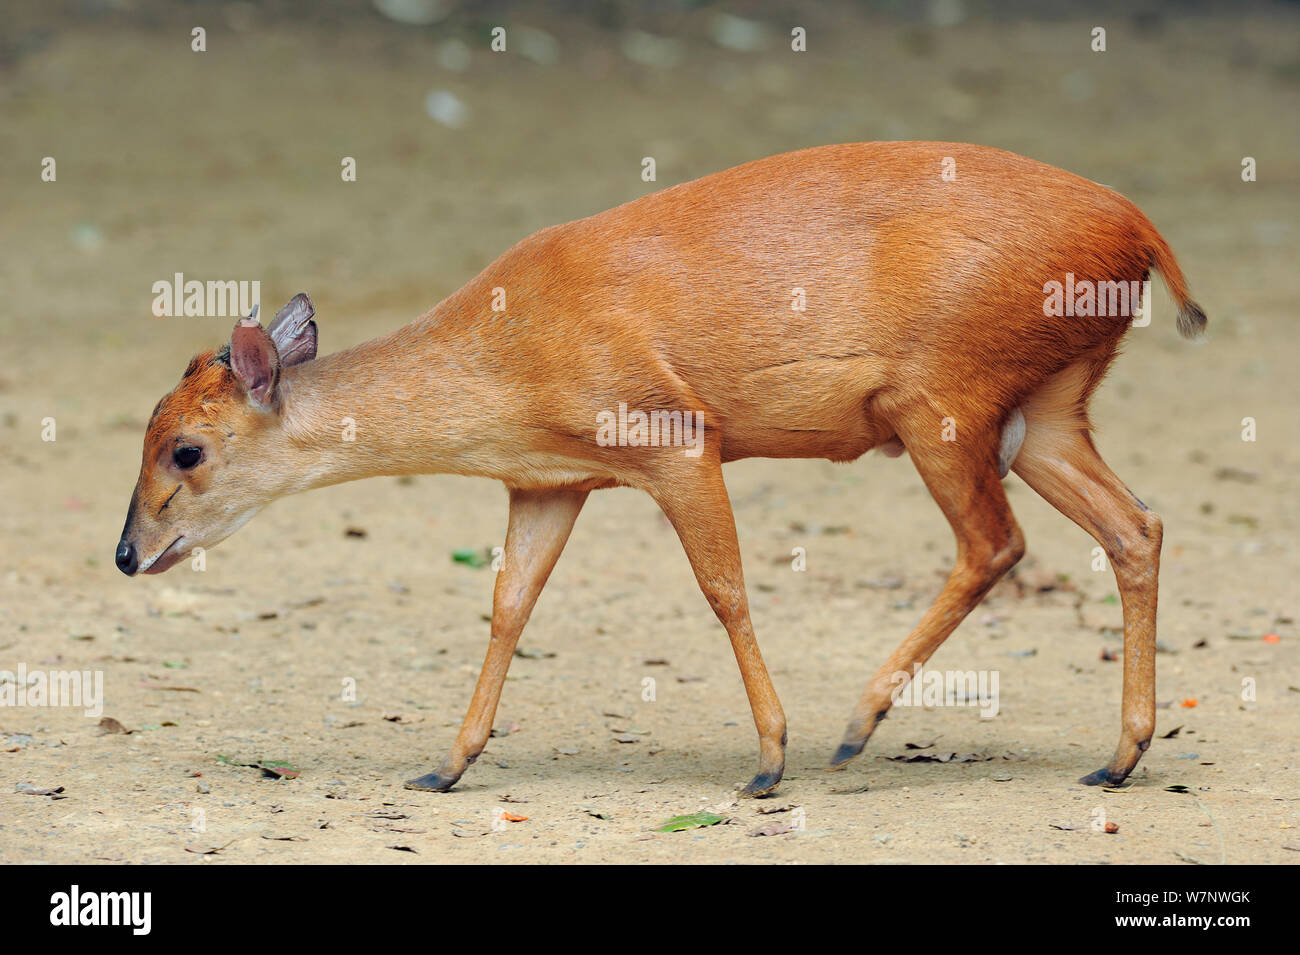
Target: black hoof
[(432, 783), (1103, 777), (762, 784), (845, 753)]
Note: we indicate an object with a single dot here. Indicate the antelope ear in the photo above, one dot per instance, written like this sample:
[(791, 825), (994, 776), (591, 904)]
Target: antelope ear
[(254, 360), (294, 332)]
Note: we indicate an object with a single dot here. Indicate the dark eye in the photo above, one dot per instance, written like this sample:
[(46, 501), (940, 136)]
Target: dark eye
[(186, 457)]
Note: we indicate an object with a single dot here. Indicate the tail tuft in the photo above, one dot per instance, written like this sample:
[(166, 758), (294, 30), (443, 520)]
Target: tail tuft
[(1191, 321)]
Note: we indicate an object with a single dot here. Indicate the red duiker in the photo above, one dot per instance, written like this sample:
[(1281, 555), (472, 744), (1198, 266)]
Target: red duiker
[(902, 296)]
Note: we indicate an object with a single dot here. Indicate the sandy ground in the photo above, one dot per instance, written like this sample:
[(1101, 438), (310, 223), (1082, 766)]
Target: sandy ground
[(226, 164)]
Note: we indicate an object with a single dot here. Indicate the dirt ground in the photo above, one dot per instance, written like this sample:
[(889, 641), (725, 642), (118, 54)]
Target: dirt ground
[(226, 164)]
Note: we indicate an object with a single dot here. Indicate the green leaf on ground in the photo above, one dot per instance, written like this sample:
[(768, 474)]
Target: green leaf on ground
[(696, 820), (471, 557)]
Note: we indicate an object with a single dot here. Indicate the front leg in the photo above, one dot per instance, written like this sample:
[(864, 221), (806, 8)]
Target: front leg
[(696, 504), (540, 522)]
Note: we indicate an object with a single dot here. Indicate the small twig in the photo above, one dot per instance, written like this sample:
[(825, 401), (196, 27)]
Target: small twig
[(1223, 848)]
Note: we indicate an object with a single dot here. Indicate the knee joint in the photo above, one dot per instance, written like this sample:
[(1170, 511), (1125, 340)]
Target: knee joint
[(1139, 544)]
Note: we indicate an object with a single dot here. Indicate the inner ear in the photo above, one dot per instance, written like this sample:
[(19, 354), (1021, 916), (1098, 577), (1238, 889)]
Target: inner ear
[(294, 332), (254, 361)]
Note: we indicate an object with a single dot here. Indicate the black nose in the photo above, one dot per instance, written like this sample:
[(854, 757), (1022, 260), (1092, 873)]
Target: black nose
[(127, 560)]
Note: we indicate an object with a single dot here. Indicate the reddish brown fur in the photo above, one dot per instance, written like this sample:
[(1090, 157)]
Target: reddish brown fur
[(197, 403), (924, 303)]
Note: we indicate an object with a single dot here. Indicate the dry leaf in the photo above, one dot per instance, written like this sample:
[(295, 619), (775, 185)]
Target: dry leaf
[(30, 790), (209, 850)]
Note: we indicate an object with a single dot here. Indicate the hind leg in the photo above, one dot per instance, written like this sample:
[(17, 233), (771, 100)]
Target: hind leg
[(963, 479), (1058, 461)]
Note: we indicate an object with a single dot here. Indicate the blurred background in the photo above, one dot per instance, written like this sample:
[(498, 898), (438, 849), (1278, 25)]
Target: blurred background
[(226, 164)]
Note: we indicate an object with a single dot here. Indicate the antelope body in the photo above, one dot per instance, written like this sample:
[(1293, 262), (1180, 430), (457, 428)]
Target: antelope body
[(922, 328)]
